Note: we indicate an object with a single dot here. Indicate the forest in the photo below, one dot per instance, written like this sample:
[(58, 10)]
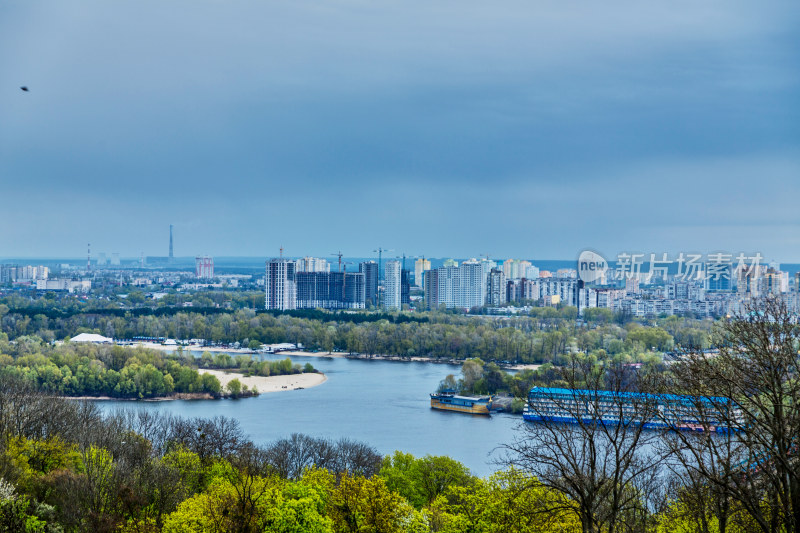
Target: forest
[(546, 337)]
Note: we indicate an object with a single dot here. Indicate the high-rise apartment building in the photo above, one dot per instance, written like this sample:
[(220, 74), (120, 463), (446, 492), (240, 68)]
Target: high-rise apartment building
[(774, 282), (532, 272), (563, 290), (520, 290), (370, 271), (516, 268), (204, 267), (330, 290), (456, 287), (496, 287), (430, 288), (405, 287), (420, 265), (280, 285), (508, 268), (471, 284), (392, 293)]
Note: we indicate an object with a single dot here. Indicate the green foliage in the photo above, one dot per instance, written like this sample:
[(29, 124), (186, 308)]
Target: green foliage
[(367, 505), (251, 366), (234, 388), (89, 370), (547, 335), (15, 517), (420, 481), (508, 501)]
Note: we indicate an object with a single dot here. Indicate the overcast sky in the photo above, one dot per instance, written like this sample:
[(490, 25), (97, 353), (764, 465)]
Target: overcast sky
[(446, 128)]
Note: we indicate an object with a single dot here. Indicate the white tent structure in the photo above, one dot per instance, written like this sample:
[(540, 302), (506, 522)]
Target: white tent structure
[(92, 337)]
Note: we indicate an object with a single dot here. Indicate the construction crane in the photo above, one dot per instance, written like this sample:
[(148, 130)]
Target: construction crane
[(380, 256), (338, 254)]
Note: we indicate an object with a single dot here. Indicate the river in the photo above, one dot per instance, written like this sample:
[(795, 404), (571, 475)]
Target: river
[(383, 403)]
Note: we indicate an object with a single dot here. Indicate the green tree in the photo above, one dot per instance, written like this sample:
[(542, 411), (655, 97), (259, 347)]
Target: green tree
[(234, 388), (366, 505)]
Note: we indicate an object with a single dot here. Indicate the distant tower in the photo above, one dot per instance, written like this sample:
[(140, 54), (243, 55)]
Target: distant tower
[(170, 243), (88, 257)]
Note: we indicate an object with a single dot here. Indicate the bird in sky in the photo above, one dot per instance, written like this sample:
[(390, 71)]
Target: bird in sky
[(24, 88)]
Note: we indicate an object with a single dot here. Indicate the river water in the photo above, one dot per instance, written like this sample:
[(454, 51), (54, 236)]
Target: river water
[(383, 403)]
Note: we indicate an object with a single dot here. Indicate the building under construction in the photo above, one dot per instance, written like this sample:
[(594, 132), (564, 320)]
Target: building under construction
[(330, 290)]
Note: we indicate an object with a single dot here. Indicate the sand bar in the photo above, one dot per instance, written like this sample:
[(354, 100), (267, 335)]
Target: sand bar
[(270, 383)]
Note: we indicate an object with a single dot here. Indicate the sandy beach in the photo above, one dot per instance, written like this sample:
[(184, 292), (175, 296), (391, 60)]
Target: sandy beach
[(270, 383), (337, 355)]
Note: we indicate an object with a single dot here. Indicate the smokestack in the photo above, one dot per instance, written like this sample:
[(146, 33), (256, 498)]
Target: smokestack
[(170, 243)]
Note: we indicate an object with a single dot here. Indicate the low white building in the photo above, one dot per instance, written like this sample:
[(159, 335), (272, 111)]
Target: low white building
[(92, 337), (63, 285)]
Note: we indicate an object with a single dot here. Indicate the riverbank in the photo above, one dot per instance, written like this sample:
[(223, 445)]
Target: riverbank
[(267, 384), (415, 359), (197, 348), (338, 355), (174, 396)]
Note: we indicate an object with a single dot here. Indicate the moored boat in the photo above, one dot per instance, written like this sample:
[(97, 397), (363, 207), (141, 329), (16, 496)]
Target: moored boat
[(448, 400), (652, 411)]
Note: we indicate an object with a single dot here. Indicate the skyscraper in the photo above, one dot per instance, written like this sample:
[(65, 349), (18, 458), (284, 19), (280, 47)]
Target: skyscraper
[(405, 287), (472, 284), (430, 287), (370, 271), (420, 265), (392, 285), (280, 285), (496, 287), (462, 287)]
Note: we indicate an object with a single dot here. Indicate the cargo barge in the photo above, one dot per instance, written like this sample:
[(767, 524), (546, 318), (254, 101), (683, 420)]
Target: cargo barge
[(448, 400)]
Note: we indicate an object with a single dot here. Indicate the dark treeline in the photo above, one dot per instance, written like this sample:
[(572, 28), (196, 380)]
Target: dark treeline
[(311, 314), (548, 336)]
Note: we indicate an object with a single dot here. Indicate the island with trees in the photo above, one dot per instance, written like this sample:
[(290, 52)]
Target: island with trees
[(124, 372)]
